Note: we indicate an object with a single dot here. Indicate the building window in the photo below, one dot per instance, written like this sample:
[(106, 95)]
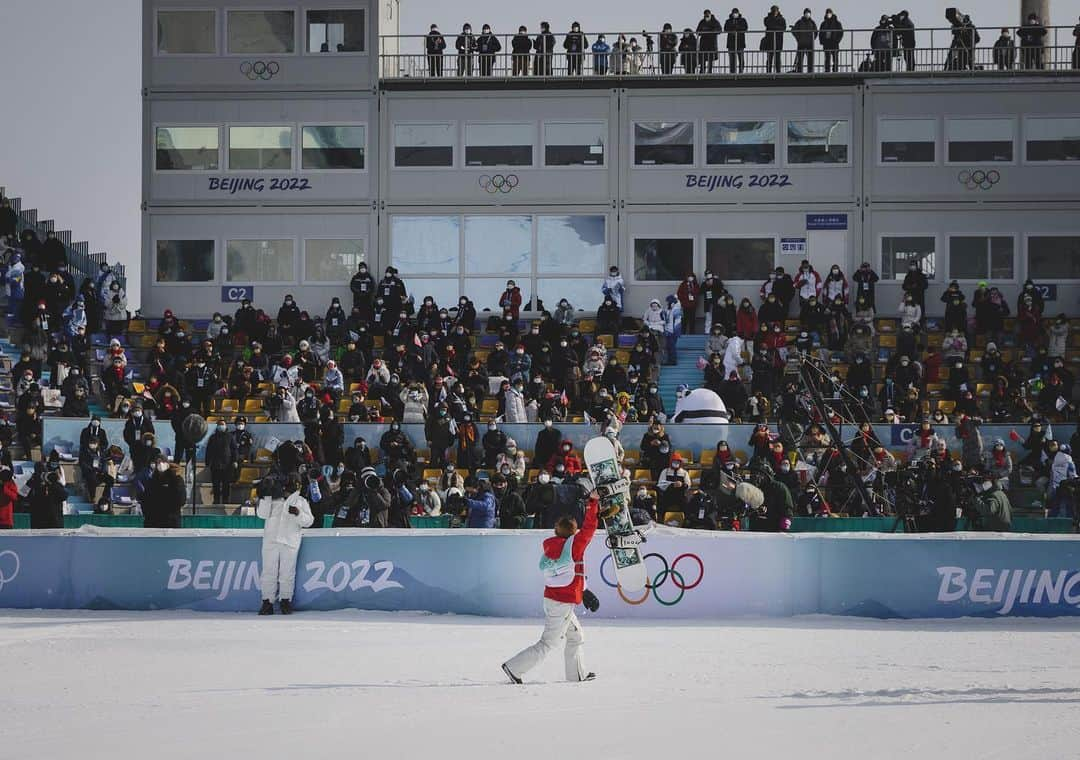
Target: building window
[(499, 144), (571, 245), (578, 144), (500, 244), (423, 145), (484, 292), (445, 290), (979, 141), (336, 31), (663, 258), (660, 143), (1054, 257), (260, 148), (899, 251), (740, 142), (426, 244), (331, 260), (580, 292), (262, 32), (979, 257), (185, 261), (908, 141), (186, 33), (817, 141), (259, 261), (733, 259), (333, 147), (186, 149), (1053, 138)]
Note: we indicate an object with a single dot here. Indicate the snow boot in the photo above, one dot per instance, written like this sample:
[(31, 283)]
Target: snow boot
[(286, 606), (511, 676), (267, 608), (590, 677)]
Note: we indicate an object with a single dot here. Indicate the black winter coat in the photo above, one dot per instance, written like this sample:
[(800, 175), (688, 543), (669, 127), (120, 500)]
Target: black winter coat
[(163, 500)]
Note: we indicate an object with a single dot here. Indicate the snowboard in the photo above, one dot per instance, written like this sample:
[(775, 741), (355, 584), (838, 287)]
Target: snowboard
[(623, 540)]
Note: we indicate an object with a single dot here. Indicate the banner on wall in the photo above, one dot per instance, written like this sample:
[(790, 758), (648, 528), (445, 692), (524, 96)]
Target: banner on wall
[(692, 575)]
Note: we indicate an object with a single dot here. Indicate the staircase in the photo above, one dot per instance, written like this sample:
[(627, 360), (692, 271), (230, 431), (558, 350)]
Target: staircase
[(689, 349)]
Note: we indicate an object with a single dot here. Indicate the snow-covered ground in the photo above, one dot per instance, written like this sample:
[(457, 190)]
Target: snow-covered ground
[(383, 685)]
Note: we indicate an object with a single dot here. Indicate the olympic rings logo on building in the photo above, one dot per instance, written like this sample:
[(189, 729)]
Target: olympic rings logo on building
[(9, 567), (659, 581), (978, 178), (264, 70), (499, 183)]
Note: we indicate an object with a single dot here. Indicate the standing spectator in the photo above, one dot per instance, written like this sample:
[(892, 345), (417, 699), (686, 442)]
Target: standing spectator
[(600, 51), (688, 51), (831, 33), (881, 43), (221, 458), (434, 45), (520, 47), (285, 516), (708, 30), (487, 47), (673, 322), (1029, 321), (1059, 336), (915, 285), (479, 504), (669, 42), (1005, 51), (613, 287), (910, 313), (905, 37), (736, 28), (575, 44), (1076, 47), (544, 47), (865, 279), (835, 286), (115, 310), (9, 497), (510, 300), (955, 308), (674, 485), (773, 41), (465, 44), (1032, 39), (47, 497), (164, 497), (805, 31), (688, 299)]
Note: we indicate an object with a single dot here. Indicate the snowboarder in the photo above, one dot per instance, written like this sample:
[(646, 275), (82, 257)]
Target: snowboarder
[(563, 564), (285, 512)]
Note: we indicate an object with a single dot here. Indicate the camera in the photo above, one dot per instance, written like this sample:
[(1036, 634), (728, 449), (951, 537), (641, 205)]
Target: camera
[(953, 15)]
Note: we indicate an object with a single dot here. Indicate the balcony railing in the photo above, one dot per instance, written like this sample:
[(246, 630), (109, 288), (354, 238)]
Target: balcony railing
[(405, 57)]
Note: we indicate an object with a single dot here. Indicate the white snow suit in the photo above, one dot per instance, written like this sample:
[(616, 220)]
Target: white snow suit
[(281, 543)]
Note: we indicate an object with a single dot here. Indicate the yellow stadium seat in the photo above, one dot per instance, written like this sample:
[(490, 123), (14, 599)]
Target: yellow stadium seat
[(674, 519), (147, 340), (249, 475), (230, 406), (631, 457), (137, 326), (261, 418), (253, 405), (686, 454), (490, 406), (264, 456), (622, 356), (708, 456), (138, 388), (640, 474), (886, 325), (344, 405), (432, 474), (887, 341), (354, 387), (607, 341), (587, 326), (378, 341), (946, 407)]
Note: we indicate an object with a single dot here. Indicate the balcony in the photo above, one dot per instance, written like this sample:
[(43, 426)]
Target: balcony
[(862, 53)]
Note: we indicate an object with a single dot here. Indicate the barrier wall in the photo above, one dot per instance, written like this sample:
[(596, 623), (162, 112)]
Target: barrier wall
[(694, 575)]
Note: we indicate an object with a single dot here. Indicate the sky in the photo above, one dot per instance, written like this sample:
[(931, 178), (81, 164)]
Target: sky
[(70, 140)]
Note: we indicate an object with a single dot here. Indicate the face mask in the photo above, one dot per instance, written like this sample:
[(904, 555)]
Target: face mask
[(221, 428), (162, 466), (547, 423)]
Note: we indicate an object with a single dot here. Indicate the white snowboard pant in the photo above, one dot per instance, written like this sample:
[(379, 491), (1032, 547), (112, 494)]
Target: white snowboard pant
[(560, 621), (278, 571)]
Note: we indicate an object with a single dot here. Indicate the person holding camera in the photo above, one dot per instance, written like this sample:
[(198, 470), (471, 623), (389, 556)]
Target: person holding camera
[(563, 565), (904, 37), (286, 513), (479, 503)]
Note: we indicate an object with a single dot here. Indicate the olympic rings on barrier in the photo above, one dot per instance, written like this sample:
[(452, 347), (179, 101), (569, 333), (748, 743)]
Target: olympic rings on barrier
[(498, 183), (260, 69), (979, 178), (660, 579)]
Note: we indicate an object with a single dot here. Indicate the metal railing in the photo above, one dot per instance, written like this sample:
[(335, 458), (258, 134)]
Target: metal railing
[(936, 50)]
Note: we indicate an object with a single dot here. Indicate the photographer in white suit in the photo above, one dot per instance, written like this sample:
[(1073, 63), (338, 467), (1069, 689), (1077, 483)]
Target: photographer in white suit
[(286, 513)]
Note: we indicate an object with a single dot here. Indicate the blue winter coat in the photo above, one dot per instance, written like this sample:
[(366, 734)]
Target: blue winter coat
[(481, 510)]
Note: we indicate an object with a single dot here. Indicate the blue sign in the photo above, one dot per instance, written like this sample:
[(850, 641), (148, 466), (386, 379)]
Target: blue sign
[(793, 246), (1048, 292), (902, 435), (826, 221), (237, 293)]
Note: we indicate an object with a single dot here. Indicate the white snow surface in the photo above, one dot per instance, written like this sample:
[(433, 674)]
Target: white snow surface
[(407, 685)]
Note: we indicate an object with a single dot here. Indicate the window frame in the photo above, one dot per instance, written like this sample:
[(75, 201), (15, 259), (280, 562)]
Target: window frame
[(695, 145), (777, 145), (986, 237), (1024, 138), (695, 249), (296, 11), (463, 138), (707, 236), (849, 120), (227, 238), (939, 134), (457, 151), (169, 172), (261, 172), (936, 278), (1075, 233), (300, 147), (304, 239), (945, 118), (175, 9), (306, 8), (217, 278), (542, 140)]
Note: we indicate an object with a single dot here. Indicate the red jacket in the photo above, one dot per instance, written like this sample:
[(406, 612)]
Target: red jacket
[(510, 301), (688, 295), (553, 548), (10, 494)]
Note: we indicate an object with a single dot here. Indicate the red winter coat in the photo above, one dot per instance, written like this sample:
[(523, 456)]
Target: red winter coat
[(746, 323), (553, 548), (688, 295), (9, 494), (510, 301)]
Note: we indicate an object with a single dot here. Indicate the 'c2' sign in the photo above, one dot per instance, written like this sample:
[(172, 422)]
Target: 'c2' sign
[(237, 293), (1048, 292)]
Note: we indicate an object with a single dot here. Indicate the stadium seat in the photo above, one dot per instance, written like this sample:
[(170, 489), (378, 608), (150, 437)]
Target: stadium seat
[(607, 341), (674, 519), (887, 341), (946, 407), (643, 475), (686, 454), (229, 406), (253, 405), (490, 406), (249, 475), (432, 474), (264, 456), (708, 456)]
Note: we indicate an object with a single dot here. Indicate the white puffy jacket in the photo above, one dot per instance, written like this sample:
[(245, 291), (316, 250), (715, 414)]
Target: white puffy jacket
[(654, 317), (1061, 469), (910, 315), (282, 527)]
